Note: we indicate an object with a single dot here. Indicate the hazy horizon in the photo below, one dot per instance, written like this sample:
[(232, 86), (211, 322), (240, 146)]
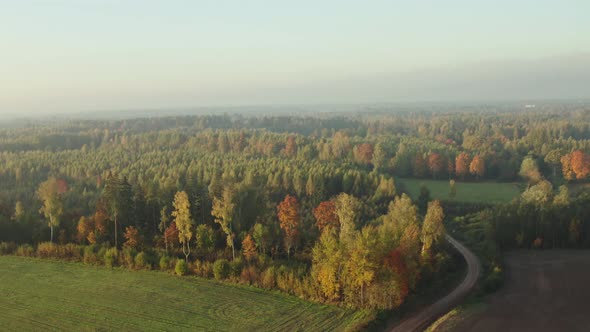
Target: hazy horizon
[(62, 56)]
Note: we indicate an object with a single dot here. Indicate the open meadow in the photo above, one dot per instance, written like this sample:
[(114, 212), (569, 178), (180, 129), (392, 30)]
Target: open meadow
[(51, 295), (468, 192)]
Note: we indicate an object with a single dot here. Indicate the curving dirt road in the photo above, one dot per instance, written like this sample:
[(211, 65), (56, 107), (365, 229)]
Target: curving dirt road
[(424, 318)]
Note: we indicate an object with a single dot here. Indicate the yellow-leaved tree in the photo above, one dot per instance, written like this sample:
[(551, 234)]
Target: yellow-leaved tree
[(183, 221)]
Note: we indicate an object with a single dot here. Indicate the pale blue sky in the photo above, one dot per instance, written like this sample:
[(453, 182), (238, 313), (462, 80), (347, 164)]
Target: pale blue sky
[(60, 55)]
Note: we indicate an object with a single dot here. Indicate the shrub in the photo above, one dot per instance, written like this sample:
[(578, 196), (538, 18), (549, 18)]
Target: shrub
[(110, 257), (71, 251), (90, 256), (7, 248), (221, 269), (268, 278), (181, 267), (46, 250), (151, 259), (165, 262), (142, 261), (235, 267), (25, 250), (128, 257), (101, 253), (249, 275), (203, 269)]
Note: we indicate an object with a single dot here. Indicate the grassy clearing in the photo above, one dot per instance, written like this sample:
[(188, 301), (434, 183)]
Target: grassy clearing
[(51, 295), (470, 192)]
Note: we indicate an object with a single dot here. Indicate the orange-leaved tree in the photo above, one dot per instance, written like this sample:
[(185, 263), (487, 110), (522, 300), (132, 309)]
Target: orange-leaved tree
[(580, 163), (462, 165), (132, 237), (477, 167), (435, 163), (249, 248), (84, 228), (566, 167), (288, 213), (325, 215)]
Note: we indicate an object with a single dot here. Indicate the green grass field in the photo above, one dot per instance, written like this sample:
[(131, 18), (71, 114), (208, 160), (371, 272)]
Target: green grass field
[(470, 192), (50, 295)]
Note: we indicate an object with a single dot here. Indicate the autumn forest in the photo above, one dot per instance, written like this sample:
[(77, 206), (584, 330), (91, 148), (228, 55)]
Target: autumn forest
[(317, 206)]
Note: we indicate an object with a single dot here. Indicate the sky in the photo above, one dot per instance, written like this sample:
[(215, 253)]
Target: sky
[(84, 55)]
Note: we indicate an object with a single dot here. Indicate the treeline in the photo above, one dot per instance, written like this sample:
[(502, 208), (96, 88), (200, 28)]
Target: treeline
[(237, 205), (542, 217), (359, 264)]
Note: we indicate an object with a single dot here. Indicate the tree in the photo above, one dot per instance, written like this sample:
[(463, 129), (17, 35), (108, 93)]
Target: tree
[(562, 199), (288, 214), (291, 146), (566, 167), (132, 238), (309, 186), (205, 238), (363, 153), (261, 236), (327, 266), (100, 223), (340, 144), (401, 214), (84, 228), (171, 234), (539, 194), (183, 221), (435, 163), (553, 158), (420, 168), (462, 165), (385, 192), (325, 215), (433, 229), (529, 170), (580, 163), (249, 248), (477, 167), (450, 167), (347, 208), (379, 157), (19, 212), (164, 224), (53, 205), (118, 196), (360, 265), (223, 211)]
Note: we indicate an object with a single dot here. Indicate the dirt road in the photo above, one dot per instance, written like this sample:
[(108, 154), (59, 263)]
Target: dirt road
[(424, 318)]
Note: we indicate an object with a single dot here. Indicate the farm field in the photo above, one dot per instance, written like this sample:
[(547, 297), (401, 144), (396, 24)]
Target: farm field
[(543, 291), (51, 295), (471, 192)]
